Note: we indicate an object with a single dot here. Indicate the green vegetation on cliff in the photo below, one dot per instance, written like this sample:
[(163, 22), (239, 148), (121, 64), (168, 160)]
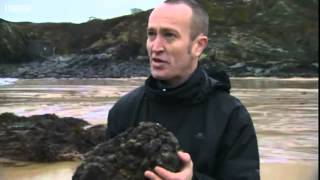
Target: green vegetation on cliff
[(254, 32)]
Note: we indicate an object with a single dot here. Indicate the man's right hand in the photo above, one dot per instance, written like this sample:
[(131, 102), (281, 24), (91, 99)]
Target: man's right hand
[(162, 174)]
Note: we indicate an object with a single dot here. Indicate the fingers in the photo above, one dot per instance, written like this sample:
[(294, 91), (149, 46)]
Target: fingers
[(151, 176), (163, 173), (160, 173), (185, 157)]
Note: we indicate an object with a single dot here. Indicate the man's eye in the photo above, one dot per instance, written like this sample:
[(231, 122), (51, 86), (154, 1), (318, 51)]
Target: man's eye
[(150, 33), (169, 35)]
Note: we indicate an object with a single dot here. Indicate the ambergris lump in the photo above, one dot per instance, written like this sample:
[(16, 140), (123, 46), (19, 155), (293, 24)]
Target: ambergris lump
[(130, 154)]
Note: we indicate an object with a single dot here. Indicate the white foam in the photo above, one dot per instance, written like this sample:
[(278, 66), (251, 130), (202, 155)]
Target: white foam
[(7, 81)]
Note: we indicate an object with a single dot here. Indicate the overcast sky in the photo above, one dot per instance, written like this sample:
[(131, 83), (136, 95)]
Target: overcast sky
[(75, 11)]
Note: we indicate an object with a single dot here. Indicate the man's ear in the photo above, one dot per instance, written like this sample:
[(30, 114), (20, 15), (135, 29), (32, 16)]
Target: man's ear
[(200, 43)]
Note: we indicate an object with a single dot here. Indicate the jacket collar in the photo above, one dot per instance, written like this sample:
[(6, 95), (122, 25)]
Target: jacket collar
[(192, 91)]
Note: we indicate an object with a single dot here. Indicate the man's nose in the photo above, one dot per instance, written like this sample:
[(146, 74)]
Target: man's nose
[(157, 45)]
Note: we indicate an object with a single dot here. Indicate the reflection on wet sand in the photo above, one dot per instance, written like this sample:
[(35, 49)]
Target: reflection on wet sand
[(286, 121), (52, 171), (289, 171), (284, 112)]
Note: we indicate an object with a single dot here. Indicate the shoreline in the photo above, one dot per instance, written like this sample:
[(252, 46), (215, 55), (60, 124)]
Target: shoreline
[(86, 67), (294, 78), (11, 81)]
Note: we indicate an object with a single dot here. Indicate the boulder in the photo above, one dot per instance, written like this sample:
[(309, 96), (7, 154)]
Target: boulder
[(46, 138)]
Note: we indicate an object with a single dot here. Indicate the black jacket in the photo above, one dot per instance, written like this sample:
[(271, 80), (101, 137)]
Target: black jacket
[(210, 124)]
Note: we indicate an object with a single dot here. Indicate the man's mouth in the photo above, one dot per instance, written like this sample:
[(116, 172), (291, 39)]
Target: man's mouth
[(158, 60)]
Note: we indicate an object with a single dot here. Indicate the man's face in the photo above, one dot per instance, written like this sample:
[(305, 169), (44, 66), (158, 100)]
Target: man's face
[(169, 44)]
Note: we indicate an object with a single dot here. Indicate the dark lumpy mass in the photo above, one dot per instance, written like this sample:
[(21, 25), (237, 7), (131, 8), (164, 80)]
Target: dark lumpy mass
[(47, 138), (130, 154)]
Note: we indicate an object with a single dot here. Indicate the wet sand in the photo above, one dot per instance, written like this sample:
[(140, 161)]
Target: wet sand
[(284, 112), (289, 171), (39, 171)]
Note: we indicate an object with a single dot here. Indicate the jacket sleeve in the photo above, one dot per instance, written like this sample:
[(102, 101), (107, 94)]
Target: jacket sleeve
[(238, 156), (119, 119), (123, 114), (111, 129)]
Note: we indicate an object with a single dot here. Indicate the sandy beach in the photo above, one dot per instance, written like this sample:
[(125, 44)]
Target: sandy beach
[(284, 112)]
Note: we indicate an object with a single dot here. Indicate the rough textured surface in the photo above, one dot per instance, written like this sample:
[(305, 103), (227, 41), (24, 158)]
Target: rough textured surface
[(247, 38), (129, 154), (46, 138)]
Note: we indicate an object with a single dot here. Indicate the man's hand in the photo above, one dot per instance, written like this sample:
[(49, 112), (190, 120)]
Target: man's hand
[(163, 174)]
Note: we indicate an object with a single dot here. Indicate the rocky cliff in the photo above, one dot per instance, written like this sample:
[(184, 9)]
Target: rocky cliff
[(247, 37)]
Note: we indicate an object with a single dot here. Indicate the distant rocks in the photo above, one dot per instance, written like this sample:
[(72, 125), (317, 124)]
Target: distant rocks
[(255, 69), (128, 155), (46, 138), (104, 66), (78, 66), (246, 38)]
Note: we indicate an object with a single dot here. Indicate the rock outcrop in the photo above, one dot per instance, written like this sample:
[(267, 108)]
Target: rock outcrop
[(46, 138), (130, 154), (247, 38), (13, 47)]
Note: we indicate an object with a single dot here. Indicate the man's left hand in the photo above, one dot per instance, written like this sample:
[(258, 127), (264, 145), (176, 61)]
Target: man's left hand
[(162, 174)]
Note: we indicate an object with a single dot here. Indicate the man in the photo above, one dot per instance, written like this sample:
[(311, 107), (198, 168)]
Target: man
[(213, 128)]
